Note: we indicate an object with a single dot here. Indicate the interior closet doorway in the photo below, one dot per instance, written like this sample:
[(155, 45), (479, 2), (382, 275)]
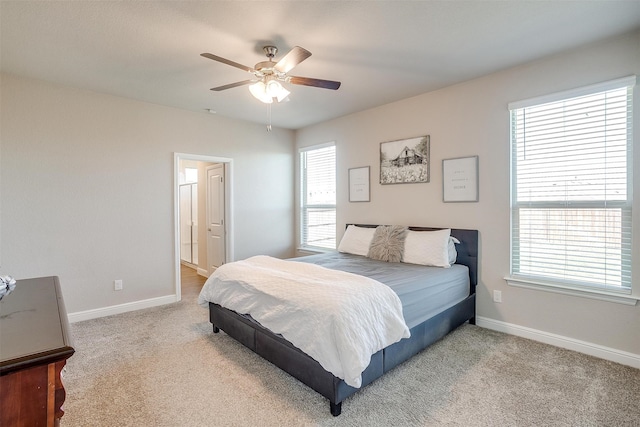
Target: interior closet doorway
[(193, 209), (188, 195)]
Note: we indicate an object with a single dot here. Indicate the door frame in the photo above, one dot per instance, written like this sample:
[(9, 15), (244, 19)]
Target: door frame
[(228, 208)]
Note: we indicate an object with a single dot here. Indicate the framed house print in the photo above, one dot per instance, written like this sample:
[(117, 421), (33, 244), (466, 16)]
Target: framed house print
[(359, 184), (405, 161), (460, 179)]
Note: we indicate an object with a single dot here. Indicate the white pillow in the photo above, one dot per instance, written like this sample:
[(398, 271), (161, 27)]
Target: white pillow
[(356, 240), (453, 253), (428, 248)]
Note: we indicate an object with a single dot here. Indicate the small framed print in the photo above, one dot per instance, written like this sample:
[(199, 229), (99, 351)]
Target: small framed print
[(359, 184), (460, 179)]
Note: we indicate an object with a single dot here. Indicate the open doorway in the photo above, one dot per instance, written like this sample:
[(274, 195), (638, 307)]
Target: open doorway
[(199, 208)]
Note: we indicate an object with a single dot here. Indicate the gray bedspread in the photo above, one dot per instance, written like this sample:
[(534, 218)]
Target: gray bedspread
[(424, 291)]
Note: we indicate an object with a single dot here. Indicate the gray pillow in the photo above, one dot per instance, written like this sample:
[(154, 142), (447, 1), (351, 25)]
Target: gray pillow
[(388, 243)]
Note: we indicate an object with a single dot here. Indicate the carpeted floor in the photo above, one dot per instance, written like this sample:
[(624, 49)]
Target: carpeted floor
[(164, 367)]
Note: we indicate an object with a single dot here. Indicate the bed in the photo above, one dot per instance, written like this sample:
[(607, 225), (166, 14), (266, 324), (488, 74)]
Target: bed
[(426, 327)]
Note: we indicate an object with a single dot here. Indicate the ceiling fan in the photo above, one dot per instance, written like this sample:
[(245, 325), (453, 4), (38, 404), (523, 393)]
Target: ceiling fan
[(266, 85)]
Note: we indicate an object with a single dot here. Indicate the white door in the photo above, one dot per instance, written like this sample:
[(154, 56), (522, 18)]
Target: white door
[(215, 217)]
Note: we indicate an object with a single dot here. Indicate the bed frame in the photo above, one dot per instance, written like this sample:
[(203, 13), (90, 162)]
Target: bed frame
[(290, 359)]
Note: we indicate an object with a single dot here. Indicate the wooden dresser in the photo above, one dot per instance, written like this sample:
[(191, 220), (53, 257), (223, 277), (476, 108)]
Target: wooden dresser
[(34, 347)]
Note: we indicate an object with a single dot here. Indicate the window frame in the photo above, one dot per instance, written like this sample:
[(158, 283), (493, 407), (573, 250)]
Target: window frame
[(303, 206), (622, 295)]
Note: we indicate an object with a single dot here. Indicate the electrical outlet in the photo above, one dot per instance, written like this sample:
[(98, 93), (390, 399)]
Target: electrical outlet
[(117, 285), (497, 296)]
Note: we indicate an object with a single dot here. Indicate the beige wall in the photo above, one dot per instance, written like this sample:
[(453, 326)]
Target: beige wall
[(472, 119), (87, 189)]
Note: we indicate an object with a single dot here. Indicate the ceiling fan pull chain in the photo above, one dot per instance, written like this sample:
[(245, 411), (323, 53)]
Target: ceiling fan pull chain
[(269, 115)]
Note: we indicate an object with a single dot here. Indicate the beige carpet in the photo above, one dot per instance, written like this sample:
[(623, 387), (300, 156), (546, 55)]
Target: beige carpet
[(164, 367)]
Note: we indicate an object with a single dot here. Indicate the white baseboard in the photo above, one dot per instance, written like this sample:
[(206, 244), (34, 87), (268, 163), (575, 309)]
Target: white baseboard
[(118, 309), (607, 353), (202, 272)]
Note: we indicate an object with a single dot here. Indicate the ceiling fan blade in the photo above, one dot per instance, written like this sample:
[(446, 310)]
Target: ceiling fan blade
[(292, 58), (306, 81), (228, 62), (231, 85)]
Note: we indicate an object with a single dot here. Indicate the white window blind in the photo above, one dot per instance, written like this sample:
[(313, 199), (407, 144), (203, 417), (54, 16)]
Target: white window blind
[(318, 207), (571, 187)]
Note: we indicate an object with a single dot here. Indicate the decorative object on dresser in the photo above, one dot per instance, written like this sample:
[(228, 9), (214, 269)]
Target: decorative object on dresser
[(460, 179), (405, 161), (7, 284), (34, 347), (428, 321)]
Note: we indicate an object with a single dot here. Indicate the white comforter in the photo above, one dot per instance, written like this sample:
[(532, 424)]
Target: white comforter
[(339, 319)]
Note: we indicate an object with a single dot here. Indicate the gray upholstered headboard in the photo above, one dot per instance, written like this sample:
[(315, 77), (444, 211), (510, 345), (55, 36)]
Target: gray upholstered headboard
[(467, 249)]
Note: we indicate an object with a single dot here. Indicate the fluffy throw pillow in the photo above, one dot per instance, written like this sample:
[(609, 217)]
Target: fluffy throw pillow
[(388, 243), (428, 248), (356, 240)]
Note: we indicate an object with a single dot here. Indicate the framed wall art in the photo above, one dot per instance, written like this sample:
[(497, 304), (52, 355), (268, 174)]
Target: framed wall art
[(405, 161), (460, 179), (359, 184)]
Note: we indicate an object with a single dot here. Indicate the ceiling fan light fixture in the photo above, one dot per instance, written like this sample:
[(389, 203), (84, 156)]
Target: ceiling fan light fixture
[(273, 88), (280, 93), (265, 92), (259, 91)]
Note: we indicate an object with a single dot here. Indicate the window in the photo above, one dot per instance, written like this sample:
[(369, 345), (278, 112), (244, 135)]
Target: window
[(191, 175), (318, 197), (571, 175)]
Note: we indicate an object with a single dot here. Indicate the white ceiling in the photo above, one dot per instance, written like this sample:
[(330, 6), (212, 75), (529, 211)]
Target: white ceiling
[(381, 51)]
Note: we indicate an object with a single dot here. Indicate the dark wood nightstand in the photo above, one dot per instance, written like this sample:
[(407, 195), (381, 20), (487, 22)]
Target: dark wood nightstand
[(34, 348)]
